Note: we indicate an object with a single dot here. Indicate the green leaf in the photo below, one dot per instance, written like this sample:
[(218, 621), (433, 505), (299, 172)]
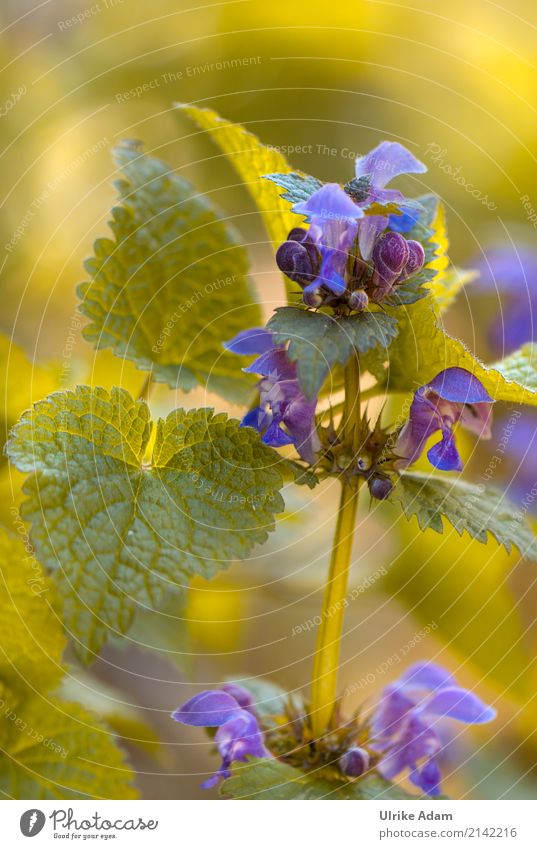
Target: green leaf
[(57, 750), (119, 532), (520, 366), (32, 641), (171, 286), (298, 186), (252, 160), (317, 341), (477, 509), (272, 779)]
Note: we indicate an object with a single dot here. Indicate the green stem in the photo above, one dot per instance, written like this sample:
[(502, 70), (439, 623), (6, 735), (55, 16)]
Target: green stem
[(327, 651), (326, 663)]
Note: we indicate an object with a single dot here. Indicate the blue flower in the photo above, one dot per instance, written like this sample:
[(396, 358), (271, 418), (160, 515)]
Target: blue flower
[(284, 415), (407, 723), (230, 710), (510, 271), (453, 396)]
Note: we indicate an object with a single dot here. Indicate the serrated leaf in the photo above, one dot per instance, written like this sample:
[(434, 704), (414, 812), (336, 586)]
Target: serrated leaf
[(520, 366), (33, 640), (479, 510), (272, 779), (119, 532), (58, 750), (298, 186), (317, 341), (171, 286), (251, 160)]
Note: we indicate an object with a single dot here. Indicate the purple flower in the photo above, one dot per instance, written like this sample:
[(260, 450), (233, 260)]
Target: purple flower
[(333, 218), (381, 165), (407, 723), (453, 396), (510, 271), (231, 711), (284, 415)]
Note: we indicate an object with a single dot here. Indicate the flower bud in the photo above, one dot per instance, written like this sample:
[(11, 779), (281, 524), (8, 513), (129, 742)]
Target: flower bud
[(313, 298), (379, 487), (354, 762), (294, 260), (358, 300), (416, 258), (390, 256)]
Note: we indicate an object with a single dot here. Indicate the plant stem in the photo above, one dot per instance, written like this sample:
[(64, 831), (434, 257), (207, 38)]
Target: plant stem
[(326, 663), (327, 651)]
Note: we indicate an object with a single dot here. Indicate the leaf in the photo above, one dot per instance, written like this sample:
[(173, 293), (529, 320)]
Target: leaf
[(171, 286), (317, 341), (57, 750), (32, 641), (298, 186), (445, 287), (252, 160), (272, 779), (477, 509), (119, 532), (520, 366)]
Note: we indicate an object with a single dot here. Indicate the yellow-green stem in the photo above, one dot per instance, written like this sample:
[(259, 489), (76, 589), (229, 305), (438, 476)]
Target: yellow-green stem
[(326, 664)]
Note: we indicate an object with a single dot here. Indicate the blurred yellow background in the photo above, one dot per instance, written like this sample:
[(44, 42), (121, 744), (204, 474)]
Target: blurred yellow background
[(325, 82)]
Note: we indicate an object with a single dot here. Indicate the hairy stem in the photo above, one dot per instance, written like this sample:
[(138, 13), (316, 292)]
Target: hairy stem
[(327, 651)]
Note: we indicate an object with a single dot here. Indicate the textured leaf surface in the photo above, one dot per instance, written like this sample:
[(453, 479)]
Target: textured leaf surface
[(171, 286), (57, 750), (520, 366), (298, 187), (272, 779), (479, 510), (120, 533), (32, 640), (318, 341)]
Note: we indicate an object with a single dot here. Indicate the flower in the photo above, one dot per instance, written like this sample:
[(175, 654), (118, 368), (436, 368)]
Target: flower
[(231, 711), (354, 762), (318, 257), (453, 396), (284, 415), (406, 725), (510, 271)]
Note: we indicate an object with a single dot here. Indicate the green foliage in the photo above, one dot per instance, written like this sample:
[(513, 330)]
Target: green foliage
[(298, 187), (50, 749), (272, 779), (317, 341), (477, 509), (171, 286), (520, 367), (120, 532)]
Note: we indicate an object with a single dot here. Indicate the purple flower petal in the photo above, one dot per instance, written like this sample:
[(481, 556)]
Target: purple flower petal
[(208, 709), (369, 229), (254, 341), (329, 203), (444, 454), (460, 704), (457, 384), (386, 161), (425, 674), (241, 695)]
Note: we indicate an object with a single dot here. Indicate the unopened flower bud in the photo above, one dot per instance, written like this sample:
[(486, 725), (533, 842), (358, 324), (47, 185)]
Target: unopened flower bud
[(358, 300), (294, 260), (416, 258), (354, 762), (390, 255), (379, 487), (313, 298)]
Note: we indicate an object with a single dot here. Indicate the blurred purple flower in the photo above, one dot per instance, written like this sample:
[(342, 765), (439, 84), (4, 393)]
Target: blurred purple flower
[(406, 725), (510, 271), (238, 732), (453, 396), (284, 415)]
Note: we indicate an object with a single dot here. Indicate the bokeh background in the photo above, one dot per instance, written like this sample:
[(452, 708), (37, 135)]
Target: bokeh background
[(325, 82)]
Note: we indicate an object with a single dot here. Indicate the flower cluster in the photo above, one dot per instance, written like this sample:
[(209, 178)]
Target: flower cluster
[(353, 251), (404, 733), (284, 416)]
